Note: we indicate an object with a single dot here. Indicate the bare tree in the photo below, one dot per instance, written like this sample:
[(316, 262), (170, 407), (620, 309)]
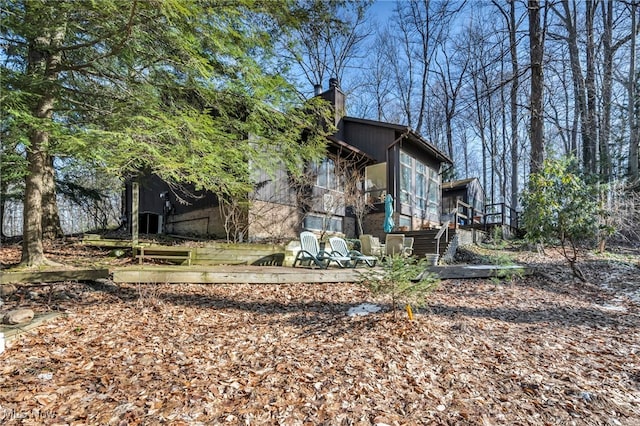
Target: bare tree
[(560, 112), (512, 26), (424, 27), (377, 82), (355, 197), (234, 213), (451, 77), (633, 98), (622, 213), (476, 49), (536, 43), (584, 86), (331, 38)]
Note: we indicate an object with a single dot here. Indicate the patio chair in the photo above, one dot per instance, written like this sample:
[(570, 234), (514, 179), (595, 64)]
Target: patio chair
[(371, 246), (339, 247), (394, 244), (408, 246), (310, 252)]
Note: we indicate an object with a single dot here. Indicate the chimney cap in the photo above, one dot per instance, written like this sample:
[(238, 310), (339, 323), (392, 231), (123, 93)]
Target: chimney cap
[(333, 83), (317, 89)]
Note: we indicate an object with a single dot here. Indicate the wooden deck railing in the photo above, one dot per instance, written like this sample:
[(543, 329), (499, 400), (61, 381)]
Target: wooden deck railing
[(501, 214), (494, 214), (466, 215), (443, 230)]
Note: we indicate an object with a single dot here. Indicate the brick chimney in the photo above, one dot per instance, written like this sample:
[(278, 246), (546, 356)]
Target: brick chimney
[(336, 98)]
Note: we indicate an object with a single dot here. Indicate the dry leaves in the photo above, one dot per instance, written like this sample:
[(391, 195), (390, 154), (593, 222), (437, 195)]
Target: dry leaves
[(529, 352)]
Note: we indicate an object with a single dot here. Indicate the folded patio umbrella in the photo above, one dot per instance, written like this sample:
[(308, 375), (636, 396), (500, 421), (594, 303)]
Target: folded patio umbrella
[(388, 214)]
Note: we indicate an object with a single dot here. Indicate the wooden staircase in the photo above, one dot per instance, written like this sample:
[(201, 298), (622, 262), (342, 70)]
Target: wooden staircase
[(425, 243)]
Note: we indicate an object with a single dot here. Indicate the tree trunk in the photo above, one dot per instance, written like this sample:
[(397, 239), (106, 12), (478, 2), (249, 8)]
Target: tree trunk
[(32, 248), (3, 191), (578, 82), (607, 82), (481, 126), (43, 58), (632, 92), (2, 234), (537, 52), (513, 95), (591, 119), (51, 228)]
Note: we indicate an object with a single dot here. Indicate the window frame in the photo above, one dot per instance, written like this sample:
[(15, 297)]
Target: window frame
[(424, 203)]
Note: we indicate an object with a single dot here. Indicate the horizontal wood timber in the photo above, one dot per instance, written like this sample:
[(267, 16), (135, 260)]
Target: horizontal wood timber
[(235, 275), (478, 271), (180, 254), (18, 277), (11, 332)]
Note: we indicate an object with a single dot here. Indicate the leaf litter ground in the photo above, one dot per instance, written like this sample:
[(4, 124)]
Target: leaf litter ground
[(543, 349)]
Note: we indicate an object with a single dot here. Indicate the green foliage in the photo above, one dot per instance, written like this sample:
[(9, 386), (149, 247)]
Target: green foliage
[(404, 280), (559, 204), (509, 273), (173, 88), (13, 164), (187, 90), (12, 171), (354, 244), (496, 239)]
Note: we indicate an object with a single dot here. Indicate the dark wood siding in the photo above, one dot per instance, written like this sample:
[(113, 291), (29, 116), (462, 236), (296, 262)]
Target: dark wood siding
[(150, 189), (275, 188), (373, 140), (150, 201), (417, 152)]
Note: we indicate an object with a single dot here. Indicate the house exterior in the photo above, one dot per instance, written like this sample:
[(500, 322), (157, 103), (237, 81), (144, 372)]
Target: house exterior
[(470, 192), (392, 158), (405, 165)]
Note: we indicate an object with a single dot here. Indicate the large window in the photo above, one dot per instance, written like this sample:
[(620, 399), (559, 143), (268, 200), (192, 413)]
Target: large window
[(375, 178), (406, 178), (422, 184), (419, 186), (322, 223), (433, 193), (327, 176)]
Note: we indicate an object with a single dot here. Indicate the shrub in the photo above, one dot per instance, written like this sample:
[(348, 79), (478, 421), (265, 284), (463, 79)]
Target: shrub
[(405, 280), (561, 206)]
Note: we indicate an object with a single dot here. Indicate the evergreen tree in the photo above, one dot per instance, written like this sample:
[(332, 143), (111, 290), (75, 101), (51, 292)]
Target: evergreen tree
[(171, 87)]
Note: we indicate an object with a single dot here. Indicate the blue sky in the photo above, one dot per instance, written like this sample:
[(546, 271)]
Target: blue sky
[(381, 10)]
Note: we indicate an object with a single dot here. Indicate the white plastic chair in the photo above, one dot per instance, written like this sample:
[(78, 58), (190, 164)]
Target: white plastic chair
[(310, 252), (394, 244), (339, 247), (371, 246), (398, 244)]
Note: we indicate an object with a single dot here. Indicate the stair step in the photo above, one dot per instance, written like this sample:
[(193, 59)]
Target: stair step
[(425, 243)]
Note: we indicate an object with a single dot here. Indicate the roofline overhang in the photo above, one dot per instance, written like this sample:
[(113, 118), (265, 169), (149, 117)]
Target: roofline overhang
[(340, 144), (432, 148), (407, 132), (460, 183)]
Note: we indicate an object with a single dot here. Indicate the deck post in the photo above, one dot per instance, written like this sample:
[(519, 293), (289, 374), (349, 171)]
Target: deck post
[(135, 206)]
